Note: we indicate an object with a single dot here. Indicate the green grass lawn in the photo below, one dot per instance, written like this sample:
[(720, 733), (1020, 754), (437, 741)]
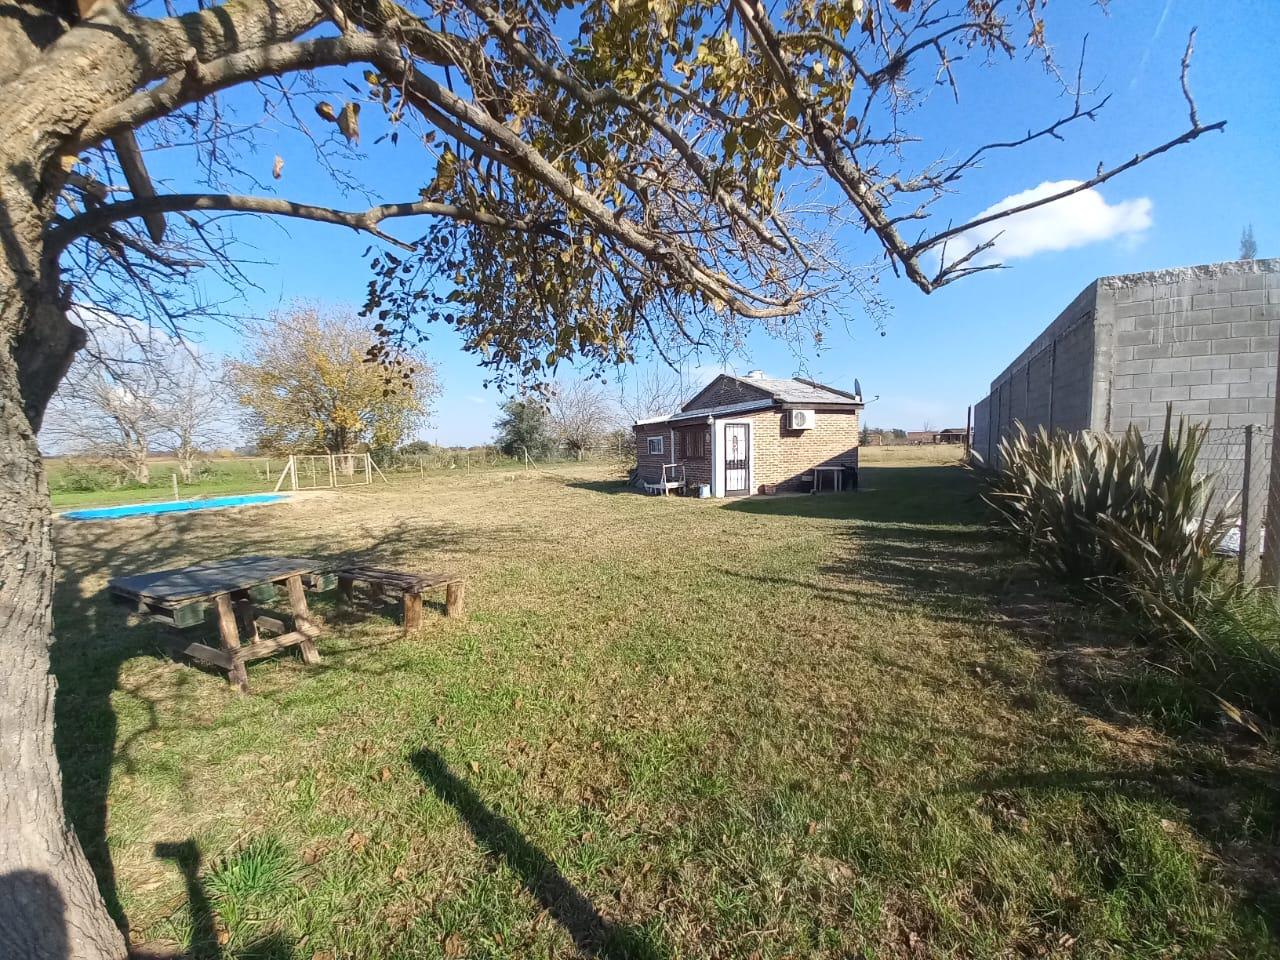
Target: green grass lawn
[(668, 728)]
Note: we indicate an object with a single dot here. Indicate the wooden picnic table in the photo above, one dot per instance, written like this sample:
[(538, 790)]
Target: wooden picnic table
[(232, 589)]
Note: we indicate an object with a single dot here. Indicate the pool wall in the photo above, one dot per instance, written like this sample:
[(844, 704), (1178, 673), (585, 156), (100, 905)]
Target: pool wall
[(172, 506)]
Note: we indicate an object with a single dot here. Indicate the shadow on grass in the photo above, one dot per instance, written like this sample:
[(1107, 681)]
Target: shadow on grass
[(204, 943), (605, 486), (917, 495), (919, 537), (592, 934)]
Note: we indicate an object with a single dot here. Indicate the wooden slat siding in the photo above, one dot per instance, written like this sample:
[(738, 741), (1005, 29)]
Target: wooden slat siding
[(230, 641), (264, 622), (204, 653), (246, 618), (204, 582), (269, 645), (396, 579), (410, 587)]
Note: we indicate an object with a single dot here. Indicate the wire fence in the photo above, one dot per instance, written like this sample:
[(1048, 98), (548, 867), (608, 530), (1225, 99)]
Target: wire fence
[(1238, 460)]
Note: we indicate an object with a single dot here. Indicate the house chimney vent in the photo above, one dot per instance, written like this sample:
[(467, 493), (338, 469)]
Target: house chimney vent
[(755, 375)]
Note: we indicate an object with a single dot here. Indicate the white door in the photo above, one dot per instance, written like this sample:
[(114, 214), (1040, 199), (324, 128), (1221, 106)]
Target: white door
[(737, 458)]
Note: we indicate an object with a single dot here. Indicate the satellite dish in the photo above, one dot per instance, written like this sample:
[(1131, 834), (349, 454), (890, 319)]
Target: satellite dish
[(857, 388)]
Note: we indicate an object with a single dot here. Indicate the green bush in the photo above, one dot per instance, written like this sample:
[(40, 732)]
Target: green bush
[(85, 478), (1134, 524), (1114, 514)]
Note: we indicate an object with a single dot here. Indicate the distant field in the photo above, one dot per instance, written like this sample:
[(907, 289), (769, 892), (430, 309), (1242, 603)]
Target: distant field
[(901, 456), (230, 475)]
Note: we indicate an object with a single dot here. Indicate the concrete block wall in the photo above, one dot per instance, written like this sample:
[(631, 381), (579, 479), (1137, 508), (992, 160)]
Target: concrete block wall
[(1203, 339), (1049, 384)]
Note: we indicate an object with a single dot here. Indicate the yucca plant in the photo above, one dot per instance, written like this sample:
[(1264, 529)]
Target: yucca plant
[(1115, 515)]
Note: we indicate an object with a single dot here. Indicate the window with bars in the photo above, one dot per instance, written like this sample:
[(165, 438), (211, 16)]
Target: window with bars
[(695, 444)]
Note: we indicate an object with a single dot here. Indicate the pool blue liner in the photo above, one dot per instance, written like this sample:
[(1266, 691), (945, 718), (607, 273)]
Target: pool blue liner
[(172, 506)]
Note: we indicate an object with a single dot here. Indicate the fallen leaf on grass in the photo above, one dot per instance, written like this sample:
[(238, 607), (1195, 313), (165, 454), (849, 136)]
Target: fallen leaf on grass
[(454, 945)]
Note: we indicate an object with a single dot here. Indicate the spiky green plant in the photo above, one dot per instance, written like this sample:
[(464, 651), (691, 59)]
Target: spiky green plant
[(1133, 521)]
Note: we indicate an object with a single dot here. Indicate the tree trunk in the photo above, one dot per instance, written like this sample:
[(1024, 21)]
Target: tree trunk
[(50, 907), (55, 79)]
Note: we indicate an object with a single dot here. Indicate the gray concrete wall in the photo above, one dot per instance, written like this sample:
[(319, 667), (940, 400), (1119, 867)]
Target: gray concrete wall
[(1047, 385), (1202, 338)]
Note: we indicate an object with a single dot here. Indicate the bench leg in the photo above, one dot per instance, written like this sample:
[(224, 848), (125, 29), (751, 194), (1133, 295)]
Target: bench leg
[(412, 604), (302, 617), (455, 602), (346, 591), (229, 633)]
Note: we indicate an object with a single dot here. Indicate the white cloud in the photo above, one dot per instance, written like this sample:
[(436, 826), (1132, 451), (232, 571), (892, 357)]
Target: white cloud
[(1073, 221)]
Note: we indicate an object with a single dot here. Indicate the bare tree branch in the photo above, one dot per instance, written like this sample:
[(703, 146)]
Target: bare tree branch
[(364, 220)]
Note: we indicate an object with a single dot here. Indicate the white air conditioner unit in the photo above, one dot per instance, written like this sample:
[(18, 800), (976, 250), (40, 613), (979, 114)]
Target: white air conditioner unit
[(802, 420)]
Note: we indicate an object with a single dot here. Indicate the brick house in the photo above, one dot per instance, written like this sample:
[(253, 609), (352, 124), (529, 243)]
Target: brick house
[(740, 435)]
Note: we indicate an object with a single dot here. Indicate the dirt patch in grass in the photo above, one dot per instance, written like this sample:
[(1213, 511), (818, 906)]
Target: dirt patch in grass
[(667, 728)]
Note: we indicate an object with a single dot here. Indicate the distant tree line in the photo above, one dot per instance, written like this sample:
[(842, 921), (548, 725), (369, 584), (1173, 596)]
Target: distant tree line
[(874, 435)]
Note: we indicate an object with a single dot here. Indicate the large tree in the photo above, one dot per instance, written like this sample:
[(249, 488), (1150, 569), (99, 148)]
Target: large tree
[(110, 412), (591, 177), (581, 414), (524, 429), (307, 385), (134, 393)]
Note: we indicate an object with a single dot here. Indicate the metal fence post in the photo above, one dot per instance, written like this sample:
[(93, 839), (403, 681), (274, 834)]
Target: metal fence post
[(1251, 508)]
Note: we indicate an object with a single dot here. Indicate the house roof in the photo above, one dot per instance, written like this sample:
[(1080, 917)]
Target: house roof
[(701, 413), (797, 390), (793, 392)]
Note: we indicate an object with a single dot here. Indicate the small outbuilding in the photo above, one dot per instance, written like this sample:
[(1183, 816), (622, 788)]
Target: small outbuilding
[(753, 434)]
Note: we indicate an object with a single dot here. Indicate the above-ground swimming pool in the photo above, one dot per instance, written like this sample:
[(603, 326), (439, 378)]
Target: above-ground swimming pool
[(172, 506)]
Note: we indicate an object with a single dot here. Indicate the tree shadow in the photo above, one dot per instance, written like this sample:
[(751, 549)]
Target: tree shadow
[(918, 495), (31, 894), (593, 934), (620, 485), (204, 943)]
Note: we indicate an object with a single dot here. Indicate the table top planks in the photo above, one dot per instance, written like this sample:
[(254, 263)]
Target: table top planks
[(185, 584)]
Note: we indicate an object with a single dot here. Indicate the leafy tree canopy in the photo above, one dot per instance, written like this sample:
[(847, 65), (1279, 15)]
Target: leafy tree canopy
[(524, 427), (307, 385)]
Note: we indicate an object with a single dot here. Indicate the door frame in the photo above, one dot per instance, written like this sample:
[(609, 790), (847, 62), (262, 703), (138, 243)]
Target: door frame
[(718, 447)]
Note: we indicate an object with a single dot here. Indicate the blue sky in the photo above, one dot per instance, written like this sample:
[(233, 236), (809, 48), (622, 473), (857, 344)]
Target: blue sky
[(938, 352)]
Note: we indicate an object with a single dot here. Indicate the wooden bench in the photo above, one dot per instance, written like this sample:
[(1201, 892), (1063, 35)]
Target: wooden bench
[(410, 587)]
